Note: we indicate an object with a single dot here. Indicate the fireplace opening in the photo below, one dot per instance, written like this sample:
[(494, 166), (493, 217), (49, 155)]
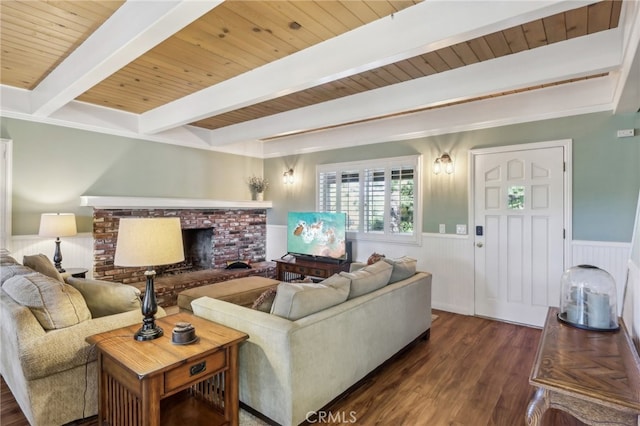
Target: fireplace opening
[(198, 248)]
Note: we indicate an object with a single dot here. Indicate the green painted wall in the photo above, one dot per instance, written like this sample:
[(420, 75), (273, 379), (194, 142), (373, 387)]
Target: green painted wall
[(53, 166), (606, 175)]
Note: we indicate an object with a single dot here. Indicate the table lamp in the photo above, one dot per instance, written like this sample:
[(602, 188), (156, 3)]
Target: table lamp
[(149, 242), (57, 225)]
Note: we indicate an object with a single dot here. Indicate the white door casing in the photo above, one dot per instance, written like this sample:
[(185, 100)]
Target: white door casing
[(5, 192), (521, 201)]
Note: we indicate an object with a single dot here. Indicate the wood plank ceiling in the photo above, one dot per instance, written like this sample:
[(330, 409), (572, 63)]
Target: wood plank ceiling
[(240, 36)]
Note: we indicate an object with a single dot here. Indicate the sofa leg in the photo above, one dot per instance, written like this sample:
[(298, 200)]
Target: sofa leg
[(426, 335)]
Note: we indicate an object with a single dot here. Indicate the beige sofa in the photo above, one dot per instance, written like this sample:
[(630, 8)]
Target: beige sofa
[(44, 358), (290, 369)]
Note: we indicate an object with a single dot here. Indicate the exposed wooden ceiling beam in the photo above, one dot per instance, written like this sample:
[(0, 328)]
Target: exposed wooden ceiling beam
[(133, 29), (401, 36), (574, 58)]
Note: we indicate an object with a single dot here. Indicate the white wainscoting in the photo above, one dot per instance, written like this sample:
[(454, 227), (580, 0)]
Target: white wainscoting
[(448, 257), (613, 257), (631, 308), (77, 251)]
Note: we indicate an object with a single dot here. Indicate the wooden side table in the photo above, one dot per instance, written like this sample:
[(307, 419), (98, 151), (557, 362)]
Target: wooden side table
[(592, 375), (75, 272), (293, 269), (144, 383)]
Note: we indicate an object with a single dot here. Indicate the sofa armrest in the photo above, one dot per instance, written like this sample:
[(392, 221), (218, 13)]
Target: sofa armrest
[(106, 298), (38, 359), (265, 358)]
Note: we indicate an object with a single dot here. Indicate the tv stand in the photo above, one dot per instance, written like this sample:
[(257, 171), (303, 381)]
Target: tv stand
[(298, 269)]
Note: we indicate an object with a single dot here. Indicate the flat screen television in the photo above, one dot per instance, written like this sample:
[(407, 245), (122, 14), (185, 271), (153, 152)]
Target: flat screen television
[(317, 236)]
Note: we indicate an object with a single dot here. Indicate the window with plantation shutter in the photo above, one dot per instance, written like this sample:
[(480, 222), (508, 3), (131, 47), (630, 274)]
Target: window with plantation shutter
[(380, 197), (350, 198)]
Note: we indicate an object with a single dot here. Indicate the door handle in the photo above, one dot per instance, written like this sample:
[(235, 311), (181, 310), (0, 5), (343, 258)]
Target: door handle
[(479, 244)]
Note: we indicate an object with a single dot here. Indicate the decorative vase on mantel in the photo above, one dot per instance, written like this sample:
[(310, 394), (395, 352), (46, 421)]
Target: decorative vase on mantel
[(259, 196)]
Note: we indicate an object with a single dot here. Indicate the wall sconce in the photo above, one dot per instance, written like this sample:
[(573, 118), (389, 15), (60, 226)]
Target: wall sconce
[(287, 177), (444, 162)]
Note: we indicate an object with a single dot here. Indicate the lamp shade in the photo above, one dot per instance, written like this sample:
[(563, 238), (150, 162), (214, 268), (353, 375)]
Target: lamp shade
[(57, 225), (149, 242)]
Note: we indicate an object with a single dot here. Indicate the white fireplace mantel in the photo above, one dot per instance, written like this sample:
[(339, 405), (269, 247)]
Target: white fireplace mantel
[(109, 202)]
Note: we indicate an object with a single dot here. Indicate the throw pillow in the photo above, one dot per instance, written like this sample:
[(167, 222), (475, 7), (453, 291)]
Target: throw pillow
[(264, 302), (41, 263), (105, 298), (6, 259), (403, 268), (295, 301), (368, 279), (374, 258), (54, 304), (8, 271)]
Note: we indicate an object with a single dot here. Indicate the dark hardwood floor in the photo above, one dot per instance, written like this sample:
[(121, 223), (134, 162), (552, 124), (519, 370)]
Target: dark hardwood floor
[(472, 371)]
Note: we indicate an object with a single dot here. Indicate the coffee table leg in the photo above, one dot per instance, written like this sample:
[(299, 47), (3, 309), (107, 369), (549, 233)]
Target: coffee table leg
[(537, 407)]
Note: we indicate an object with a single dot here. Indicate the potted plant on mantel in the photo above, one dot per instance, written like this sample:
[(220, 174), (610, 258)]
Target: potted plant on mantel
[(258, 185)]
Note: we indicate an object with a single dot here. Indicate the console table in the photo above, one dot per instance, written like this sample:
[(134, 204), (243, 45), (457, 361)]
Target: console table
[(144, 383), (592, 375), (294, 269)]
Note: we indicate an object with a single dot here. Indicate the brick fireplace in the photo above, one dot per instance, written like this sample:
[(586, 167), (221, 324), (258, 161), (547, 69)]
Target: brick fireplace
[(212, 236)]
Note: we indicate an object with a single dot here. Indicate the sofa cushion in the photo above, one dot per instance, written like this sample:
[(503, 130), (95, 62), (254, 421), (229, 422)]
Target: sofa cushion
[(41, 263), (55, 304), (403, 268), (8, 271), (106, 298), (369, 278), (297, 300), (6, 259)]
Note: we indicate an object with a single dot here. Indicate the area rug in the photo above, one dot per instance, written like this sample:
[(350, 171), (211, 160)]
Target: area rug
[(248, 419)]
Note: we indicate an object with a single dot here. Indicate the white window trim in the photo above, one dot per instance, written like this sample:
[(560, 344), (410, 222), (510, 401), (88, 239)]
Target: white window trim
[(386, 163)]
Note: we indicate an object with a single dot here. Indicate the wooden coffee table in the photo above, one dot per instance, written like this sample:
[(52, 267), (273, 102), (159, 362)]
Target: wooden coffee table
[(146, 383)]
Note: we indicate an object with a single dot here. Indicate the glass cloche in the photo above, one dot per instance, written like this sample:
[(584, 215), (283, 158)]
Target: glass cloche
[(588, 299)]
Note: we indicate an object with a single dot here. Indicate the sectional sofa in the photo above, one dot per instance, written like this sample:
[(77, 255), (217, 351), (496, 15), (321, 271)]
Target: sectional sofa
[(44, 320), (317, 340)]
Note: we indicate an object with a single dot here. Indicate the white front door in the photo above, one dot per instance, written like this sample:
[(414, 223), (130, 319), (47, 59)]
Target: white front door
[(519, 232)]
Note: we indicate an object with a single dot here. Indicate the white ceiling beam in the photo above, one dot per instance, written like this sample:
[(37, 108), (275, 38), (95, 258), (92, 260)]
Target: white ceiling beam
[(574, 58), (413, 31), (132, 30), (627, 91), (581, 97)]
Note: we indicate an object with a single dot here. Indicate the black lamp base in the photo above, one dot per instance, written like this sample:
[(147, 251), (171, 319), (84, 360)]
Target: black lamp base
[(148, 334), (149, 329), (57, 257)]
